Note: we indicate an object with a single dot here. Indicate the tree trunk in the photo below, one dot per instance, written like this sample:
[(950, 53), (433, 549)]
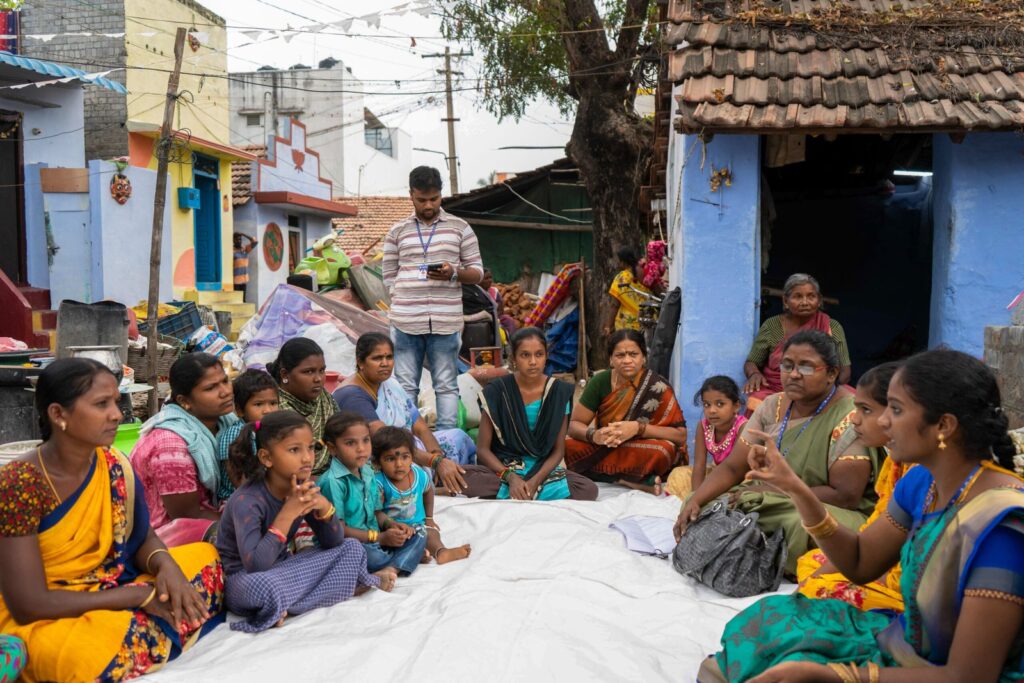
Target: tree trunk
[(612, 149)]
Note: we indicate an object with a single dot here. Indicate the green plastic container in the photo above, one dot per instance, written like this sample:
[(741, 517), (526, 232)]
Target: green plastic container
[(337, 260), (317, 266), (127, 435)]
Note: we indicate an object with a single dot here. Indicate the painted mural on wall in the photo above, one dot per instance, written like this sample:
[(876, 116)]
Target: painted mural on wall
[(273, 246)]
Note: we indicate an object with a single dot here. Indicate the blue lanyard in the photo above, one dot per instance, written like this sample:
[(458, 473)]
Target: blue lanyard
[(430, 239), (785, 422)]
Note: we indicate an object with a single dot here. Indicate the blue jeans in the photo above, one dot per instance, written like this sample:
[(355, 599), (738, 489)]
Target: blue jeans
[(441, 352), (404, 559)]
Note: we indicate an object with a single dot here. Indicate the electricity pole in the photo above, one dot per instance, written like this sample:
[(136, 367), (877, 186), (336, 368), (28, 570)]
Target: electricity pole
[(453, 166), (162, 149)]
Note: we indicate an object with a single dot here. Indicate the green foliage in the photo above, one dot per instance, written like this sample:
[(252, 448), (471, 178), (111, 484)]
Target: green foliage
[(6, 5), (521, 46)]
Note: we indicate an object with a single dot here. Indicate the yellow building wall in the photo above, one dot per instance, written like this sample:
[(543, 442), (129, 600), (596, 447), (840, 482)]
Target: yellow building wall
[(203, 111), (206, 115)]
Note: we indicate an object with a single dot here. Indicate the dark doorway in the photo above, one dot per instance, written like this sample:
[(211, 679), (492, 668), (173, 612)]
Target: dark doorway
[(12, 219), (207, 224), (852, 216)]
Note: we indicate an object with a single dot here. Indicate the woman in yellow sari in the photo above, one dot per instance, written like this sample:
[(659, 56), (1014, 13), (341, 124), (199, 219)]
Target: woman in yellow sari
[(627, 290), (817, 577), (84, 580)]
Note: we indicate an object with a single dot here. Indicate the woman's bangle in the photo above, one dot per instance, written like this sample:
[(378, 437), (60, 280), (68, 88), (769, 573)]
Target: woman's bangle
[(277, 533), (590, 433), (642, 423), (150, 557), (826, 528), (874, 673), (372, 535), (505, 474), (149, 599), (327, 515), (436, 460)]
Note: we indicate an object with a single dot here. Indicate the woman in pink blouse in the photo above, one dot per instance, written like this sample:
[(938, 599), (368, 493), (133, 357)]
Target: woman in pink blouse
[(176, 458)]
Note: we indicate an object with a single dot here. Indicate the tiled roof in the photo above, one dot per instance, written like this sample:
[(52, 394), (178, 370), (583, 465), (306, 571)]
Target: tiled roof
[(744, 76), (375, 218), (241, 172)]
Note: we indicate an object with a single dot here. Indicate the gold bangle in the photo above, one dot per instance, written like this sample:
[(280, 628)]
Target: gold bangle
[(826, 528), (846, 672), (873, 673), (152, 594), (327, 515), (372, 535), (150, 557)]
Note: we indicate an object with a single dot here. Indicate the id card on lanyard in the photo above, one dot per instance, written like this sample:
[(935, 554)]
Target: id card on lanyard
[(422, 274)]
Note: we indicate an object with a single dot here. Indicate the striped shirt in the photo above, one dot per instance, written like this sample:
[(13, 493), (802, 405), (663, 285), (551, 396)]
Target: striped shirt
[(427, 306), (240, 263)]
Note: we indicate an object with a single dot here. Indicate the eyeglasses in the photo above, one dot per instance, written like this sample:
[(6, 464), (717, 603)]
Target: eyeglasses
[(804, 369)]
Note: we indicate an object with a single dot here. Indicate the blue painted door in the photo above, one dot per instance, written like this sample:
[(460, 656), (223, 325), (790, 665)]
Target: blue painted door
[(207, 233)]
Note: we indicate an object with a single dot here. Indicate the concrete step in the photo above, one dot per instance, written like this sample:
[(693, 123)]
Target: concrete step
[(213, 299), (37, 297), (44, 320), (237, 310)]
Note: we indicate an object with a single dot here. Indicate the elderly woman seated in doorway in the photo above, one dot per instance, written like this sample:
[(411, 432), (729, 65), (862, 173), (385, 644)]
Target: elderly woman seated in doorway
[(627, 427), (375, 394), (954, 522), (523, 422), (810, 423), (85, 582), (801, 305), (176, 458), (300, 372)]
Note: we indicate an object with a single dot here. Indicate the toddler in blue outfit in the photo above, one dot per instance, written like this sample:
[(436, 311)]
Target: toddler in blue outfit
[(407, 492)]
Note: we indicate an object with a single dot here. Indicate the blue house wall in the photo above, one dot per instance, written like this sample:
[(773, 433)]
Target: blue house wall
[(978, 262), (715, 243)]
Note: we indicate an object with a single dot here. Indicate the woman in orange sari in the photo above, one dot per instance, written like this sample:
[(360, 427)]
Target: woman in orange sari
[(627, 427), (85, 581)]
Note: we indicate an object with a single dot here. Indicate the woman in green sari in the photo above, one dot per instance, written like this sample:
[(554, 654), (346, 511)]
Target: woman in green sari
[(810, 424), (300, 371), (956, 523)]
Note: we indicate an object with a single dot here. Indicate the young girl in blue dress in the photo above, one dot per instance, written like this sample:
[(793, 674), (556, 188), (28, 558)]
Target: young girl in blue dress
[(408, 492), (264, 582)]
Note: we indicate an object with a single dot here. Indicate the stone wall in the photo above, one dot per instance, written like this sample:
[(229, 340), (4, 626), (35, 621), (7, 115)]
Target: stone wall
[(105, 110), (1004, 353)]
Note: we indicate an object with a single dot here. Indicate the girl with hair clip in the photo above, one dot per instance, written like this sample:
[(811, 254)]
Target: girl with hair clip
[(264, 582), (955, 523)]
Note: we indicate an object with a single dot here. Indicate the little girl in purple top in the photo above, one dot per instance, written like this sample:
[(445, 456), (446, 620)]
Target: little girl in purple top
[(263, 581)]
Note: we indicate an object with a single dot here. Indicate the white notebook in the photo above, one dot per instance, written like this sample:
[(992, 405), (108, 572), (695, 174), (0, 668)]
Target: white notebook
[(647, 535)]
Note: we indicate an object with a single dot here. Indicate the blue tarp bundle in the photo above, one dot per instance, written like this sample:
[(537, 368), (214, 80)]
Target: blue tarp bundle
[(563, 343)]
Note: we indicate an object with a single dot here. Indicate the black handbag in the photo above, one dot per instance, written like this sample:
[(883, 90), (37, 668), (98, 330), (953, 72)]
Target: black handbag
[(724, 549)]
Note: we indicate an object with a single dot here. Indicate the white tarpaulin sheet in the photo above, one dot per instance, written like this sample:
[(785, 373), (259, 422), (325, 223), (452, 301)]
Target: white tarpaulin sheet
[(549, 593)]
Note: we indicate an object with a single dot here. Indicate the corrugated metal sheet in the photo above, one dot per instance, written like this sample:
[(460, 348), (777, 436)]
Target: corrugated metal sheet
[(55, 70)]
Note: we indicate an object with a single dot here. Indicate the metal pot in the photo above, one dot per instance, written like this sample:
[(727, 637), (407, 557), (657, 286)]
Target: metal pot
[(109, 356)]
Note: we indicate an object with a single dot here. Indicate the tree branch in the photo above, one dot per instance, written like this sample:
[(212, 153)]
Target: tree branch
[(632, 27)]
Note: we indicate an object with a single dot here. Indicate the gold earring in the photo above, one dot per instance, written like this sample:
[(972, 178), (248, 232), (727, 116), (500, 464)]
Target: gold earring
[(63, 426), (942, 442)]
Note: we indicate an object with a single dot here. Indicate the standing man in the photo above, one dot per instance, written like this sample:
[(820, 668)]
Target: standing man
[(240, 261), (427, 258)]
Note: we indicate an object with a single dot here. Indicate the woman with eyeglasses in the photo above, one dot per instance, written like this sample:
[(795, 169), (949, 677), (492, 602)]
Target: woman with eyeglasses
[(809, 421)]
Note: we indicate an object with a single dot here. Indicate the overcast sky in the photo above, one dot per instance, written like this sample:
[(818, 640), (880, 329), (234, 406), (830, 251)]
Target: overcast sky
[(384, 56)]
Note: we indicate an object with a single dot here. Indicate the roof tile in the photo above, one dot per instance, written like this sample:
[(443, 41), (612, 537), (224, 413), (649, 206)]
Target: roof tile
[(366, 230)]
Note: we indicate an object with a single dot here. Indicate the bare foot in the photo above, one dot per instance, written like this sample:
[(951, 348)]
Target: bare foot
[(427, 557), (445, 555), (656, 490), (280, 622), (387, 578)]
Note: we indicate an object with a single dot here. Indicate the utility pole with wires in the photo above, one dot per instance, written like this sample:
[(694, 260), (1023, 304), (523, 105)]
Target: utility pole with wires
[(453, 164), (163, 149)]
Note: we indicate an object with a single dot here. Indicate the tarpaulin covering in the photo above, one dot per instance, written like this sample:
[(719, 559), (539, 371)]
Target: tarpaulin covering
[(550, 593), (294, 312)]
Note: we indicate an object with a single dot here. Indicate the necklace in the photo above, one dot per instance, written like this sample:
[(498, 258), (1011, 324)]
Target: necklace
[(39, 455), (785, 422), (366, 384), (726, 443), (960, 494)]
